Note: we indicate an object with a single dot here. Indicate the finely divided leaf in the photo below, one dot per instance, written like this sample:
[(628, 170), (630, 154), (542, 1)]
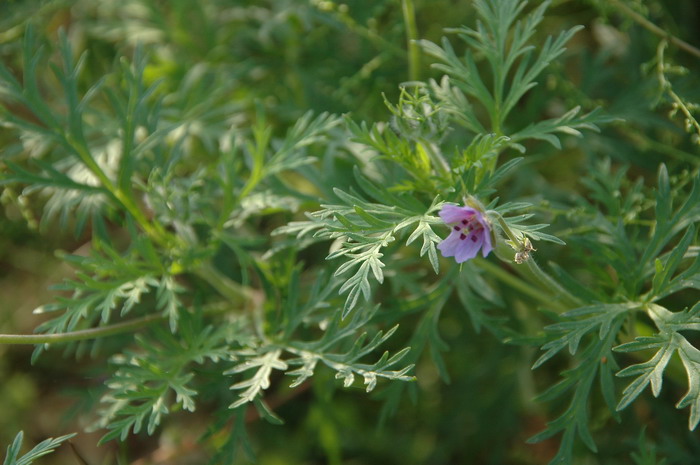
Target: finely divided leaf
[(690, 356), (43, 448)]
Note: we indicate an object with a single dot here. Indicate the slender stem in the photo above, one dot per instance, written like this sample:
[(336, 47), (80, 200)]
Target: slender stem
[(261, 135), (504, 226), (646, 143), (233, 291), (92, 333), (84, 154), (102, 331), (666, 85), (409, 18), (154, 230), (496, 117), (542, 278), (125, 171), (654, 28), (340, 12), (230, 289), (516, 283), (434, 153), (550, 283)]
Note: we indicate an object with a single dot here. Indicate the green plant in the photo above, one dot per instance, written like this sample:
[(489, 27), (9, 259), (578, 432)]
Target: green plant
[(227, 253), (41, 449)]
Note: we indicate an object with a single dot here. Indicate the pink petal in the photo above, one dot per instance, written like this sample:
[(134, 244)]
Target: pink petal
[(480, 218), (450, 246), (468, 249), (454, 214), (487, 247)]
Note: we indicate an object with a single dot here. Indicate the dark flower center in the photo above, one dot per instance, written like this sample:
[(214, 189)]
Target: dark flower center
[(471, 226)]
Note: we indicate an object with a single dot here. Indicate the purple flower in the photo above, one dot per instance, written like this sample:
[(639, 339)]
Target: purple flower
[(470, 232)]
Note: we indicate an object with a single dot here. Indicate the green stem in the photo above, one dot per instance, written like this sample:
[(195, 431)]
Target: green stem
[(228, 288), (409, 17), (541, 277), (496, 118), (84, 155), (262, 134), (341, 14), (154, 230), (233, 291), (439, 161), (641, 20), (513, 281), (504, 226), (550, 284), (666, 85), (648, 144), (102, 331), (92, 333)]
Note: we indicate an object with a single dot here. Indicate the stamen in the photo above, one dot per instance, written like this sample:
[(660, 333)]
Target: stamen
[(473, 238), (462, 236), (465, 222), (457, 228)]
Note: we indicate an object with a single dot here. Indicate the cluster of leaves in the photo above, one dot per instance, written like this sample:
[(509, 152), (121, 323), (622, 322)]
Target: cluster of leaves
[(502, 38), (600, 319), (133, 166), (108, 280), (143, 380), (364, 229), (43, 448), (415, 141)]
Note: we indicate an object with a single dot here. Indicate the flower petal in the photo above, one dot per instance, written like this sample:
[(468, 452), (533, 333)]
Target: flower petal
[(469, 248), (450, 246), (487, 247), (481, 219), (471, 231), (454, 214)]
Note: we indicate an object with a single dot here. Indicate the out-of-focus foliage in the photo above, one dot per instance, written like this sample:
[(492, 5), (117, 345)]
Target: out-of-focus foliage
[(45, 447), (236, 207)]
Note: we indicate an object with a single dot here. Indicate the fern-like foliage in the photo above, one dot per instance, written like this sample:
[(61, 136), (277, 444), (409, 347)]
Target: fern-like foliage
[(591, 332), (43, 448), (108, 282), (198, 207), (347, 365), (667, 343), (145, 380), (502, 37), (327, 350), (263, 365), (668, 340), (83, 160), (363, 229), (602, 324)]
